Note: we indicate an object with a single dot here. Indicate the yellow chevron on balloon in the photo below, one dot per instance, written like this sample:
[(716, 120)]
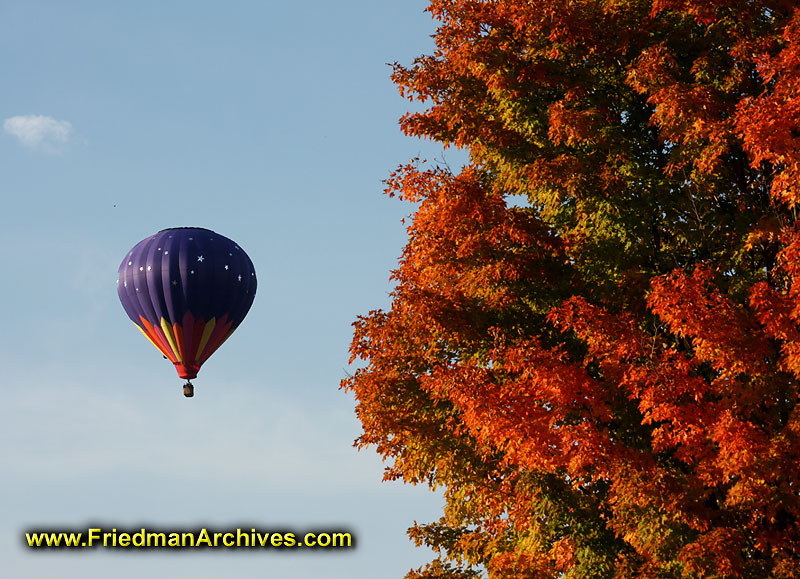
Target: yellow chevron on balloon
[(204, 339), (165, 325)]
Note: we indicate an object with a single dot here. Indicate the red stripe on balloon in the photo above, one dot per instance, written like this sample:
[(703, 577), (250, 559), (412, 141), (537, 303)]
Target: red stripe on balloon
[(197, 335), (189, 343), (217, 337)]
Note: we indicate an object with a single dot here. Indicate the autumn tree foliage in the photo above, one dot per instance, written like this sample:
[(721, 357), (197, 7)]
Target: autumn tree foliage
[(603, 378)]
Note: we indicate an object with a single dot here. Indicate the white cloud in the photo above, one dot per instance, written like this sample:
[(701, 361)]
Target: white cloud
[(39, 132)]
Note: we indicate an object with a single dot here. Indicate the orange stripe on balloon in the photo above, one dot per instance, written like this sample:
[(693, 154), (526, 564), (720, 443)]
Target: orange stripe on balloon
[(177, 331), (149, 339), (163, 338), (167, 329), (157, 338)]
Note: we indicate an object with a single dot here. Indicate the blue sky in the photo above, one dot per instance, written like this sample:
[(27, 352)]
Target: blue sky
[(272, 124)]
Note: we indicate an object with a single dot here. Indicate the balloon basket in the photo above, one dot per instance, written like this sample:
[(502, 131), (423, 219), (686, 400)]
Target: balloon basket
[(188, 390)]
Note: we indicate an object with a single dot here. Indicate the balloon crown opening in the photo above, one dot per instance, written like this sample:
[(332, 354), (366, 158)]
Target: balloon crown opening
[(174, 228)]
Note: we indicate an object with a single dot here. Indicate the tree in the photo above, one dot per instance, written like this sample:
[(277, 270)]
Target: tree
[(604, 380)]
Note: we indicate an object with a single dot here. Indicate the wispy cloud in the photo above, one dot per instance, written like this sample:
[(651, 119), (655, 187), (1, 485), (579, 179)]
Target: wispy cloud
[(39, 132)]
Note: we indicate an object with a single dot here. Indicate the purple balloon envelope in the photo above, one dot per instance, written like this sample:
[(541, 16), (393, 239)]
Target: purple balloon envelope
[(187, 289)]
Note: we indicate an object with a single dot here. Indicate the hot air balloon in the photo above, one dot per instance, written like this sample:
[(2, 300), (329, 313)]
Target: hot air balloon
[(187, 289)]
